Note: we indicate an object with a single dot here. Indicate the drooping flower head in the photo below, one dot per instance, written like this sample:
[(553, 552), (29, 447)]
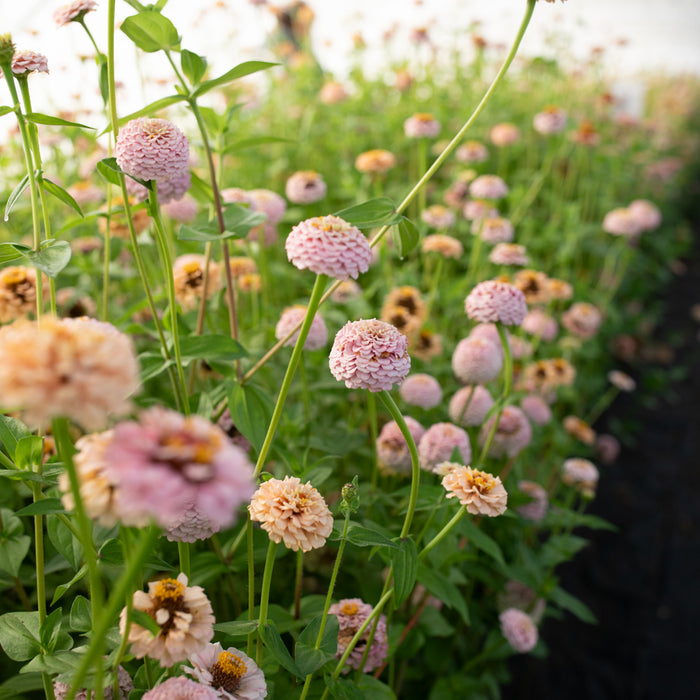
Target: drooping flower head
[(152, 149), (292, 512), (439, 442), (25, 62), (77, 368), (393, 454), (291, 317), (167, 464), (230, 672), (73, 11), (328, 245), (492, 301), (518, 628), (370, 354), (351, 613), (184, 615), (481, 492), (305, 187)]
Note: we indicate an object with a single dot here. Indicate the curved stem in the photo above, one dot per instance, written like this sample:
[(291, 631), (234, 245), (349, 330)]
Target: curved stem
[(445, 530)]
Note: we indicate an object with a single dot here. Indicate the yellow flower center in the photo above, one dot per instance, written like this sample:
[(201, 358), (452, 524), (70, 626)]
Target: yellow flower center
[(423, 117), (228, 671), (191, 267), (14, 277), (169, 589), (349, 608), (482, 481)]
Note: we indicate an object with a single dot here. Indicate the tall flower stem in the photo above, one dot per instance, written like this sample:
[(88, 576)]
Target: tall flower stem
[(428, 173), (251, 582), (265, 596), (445, 530), (391, 406), (183, 550)]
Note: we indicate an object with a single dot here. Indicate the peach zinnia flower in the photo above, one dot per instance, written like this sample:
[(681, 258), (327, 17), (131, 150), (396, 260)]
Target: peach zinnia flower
[(377, 160), (351, 613), (73, 11), (188, 276), (579, 429), (77, 368), (293, 512), (447, 246), (581, 474), (184, 615), (488, 187), (17, 292), (509, 254), (480, 492), (582, 320), (493, 229), (504, 134)]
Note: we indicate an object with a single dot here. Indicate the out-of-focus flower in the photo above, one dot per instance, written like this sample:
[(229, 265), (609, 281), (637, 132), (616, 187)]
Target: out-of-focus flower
[(346, 291), (457, 194), (332, 93), (481, 492), (493, 301), (509, 254), (392, 449), (181, 688), (536, 509), (421, 390), (533, 284), (370, 354), (183, 210), (469, 405), (504, 134), (17, 292), (488, 187), (233, 674), (85, 192), (476, 360), (291, 317), (408, 298), (586, 134), (558, 290), (269, 203), (421, 125), (581, 474), (188, 276), (621, 381), (513, 433), (377, 160), (551, 120), (73, 11), (472, 152), (607, 448), (622, 222), (646, 213), (536, 409), (518, 627), (426, 345), (330, 246), (167, 464), (439, 442), (582, 320), (351, 613), (77, 368), (538, 323), (152, 149), (493, 229), (579, 429), (182, 612), (518, 595), (126, 685), (478, 209), (447, 246), (292, 512), (70, 303), (438, 216), (305, 187)]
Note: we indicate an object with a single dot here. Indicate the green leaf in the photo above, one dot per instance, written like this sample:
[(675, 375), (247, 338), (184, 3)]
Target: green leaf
[(52, 258), (18, 475), (274, 644), (251, 409), (14, 544), (111, 552), (21, 686), (29, 451), (253, 142), (211, 347), (344, 689), (237, 628), (4, 109), (405, 565), (45, 506), (19, 635), (11, 431), (109, 170), (80, 618), (193, 65), (443, 589), (237, 219), (365, 537), (39, 118), (63, 587), (58, 192), (152, 364), (405, 236), (143, 619), (148, 111), (481, 540), (560, 548), (373, 688), (151, 32), (51, 636), (9, 252), (308, 658), (573, 605), (15, 195), (104, 81), (64, 542), (372, 213), (241, 70)]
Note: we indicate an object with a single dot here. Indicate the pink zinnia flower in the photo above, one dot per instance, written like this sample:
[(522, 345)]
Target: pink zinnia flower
[(488, 187), (512, 435), (622, 222), (294, 315), (230, 672), (493, 229), (536, 409), (126, 685), (183, 210), (469, 405), (305, 187), (504, 134), (582, 320), (351, 613), (551, 120), (476, 360), (536, 509), (293, 512), (519, 629), (29, 62), (421, 125), (509, 254), (438, 216), (447, 246), (478, 209), (180, 688), (607, 448), (370, 354), (152, 149), (269, 203), (517, 595), (492, 301), (646, 213), (481, 492), (439, 442), (472, 152), (328, 245), (167, 464), (73, 11), (582, 474), (538, 323), (392, 449), (421, 390)]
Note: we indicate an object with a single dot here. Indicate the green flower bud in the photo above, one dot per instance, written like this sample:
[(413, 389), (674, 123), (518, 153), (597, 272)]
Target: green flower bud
[(7, 48)]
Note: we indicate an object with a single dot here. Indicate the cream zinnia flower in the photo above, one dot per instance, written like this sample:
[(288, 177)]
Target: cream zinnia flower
[(480, 492)]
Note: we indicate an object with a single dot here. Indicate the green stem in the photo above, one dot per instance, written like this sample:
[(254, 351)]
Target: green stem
[(297, 583), (391, 406), (265, 596), (291, 368), (251, 583), (183, 550), (445, 530)]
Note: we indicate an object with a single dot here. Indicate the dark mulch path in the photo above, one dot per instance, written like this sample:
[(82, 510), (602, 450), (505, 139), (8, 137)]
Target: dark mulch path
[(642, 583)]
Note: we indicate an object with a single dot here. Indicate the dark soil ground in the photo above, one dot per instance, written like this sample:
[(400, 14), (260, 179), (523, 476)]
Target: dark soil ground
[(643, 582)]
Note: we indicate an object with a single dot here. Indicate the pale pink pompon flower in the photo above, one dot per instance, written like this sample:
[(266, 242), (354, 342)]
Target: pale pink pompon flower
[(76, 368), (582, 474), (622, 222), (469, 405), (439, 442), (351, 613), (291, 317), (73, 11), (181, 688), (29, 62), (481, 492), (293, 512), (421, 390), (305, 187), (488, 187), (184, 615), (646, 213), (518, 627), (370, 354), (493, 301), (167, 465), (537, 507), (230, 672), (393, 454), (421, 125), (513, 433), (477, 360), (328, 245), (152, 149)]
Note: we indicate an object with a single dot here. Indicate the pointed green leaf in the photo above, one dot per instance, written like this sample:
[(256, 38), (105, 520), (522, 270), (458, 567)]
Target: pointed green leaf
[(481, 540), (11, 431), (237, 628), (241, 70), (39, 118), (405, 236), (308, 658), (405, 566), (19, 635), (193, 65), (9, 252), (109, 170), (372, 213), (58, 192), (64, 542), (151, 32), (344, 689), (52, 258), (46, 506), (4, 109), (14, 544), (274, 644), (51, 636), (29, 451), (251, 410), (211, 347), (443, 589), (15, 195), (374, 688), (365, 537), (573, 605), (80, 618), (63, 587)]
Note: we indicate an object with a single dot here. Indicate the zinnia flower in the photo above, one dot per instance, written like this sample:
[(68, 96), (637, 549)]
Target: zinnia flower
[(469, 405), (421, 125), (646, 213), (184, 615), (582, 320), (188, 276), (29, 62), (621, 381), (622, 222), (293, 512), (538, 323), (512, 435), (393, 454), (517, 595), (533, 284), (77, 368), (406, 297), (480, 492), (370, 354), (476, 360), (73, 11), (551, 120), (152, 149), (332, 93), (328, 245), (375, 161), (536, 509), (439, 442), (126, 685), (293, 316), (447, 246), (421, 390), (581, 474), (488, 187), (438, 216), (518, 628), (493, 301), (504, 134), (472, 152), (607, 448), (167, 464), (231, 673), (305, 187), (536, 409), (509, 254), (17, 292), (183, 210), (351, 613), (180, 688)]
